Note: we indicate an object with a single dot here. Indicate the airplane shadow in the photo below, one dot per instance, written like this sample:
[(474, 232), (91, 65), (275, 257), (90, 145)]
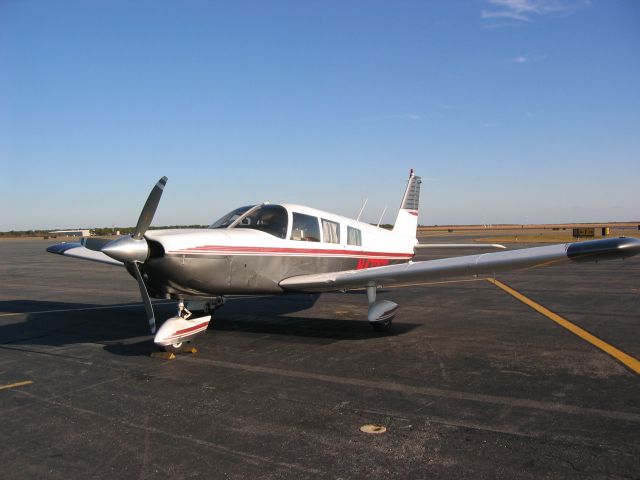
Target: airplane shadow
[(123, 330)]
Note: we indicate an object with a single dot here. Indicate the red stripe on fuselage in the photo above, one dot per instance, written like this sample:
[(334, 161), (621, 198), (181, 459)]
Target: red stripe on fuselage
[(235, 250)]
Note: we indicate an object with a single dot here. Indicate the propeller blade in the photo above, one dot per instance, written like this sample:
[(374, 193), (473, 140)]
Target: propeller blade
[(149, 209), (145, 297)]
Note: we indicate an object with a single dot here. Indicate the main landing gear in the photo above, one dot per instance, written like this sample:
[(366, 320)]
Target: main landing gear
[(381, 312), (176, 333)]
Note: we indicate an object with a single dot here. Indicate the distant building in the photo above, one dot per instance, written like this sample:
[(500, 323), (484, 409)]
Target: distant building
[(73, 233)]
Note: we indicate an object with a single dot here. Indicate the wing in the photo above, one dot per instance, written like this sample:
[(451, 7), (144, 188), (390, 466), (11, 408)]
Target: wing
[(486, 263), (477, 246), (78, 250)]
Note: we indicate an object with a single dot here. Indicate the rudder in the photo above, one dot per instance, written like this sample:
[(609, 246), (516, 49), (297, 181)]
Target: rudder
[(407, 219)]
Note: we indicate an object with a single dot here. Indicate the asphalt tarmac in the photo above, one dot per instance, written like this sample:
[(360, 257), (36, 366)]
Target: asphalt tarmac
[(470, 383)]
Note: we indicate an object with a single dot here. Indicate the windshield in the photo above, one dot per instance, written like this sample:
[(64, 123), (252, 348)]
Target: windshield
[(230, 217), (271, 219)]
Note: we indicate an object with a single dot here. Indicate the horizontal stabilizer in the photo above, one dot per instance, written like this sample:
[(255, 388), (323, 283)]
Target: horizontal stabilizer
[(77, 250), (468, 265)]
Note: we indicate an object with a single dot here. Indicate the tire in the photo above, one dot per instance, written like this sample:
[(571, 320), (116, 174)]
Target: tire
[(383, 327), (175, 347)]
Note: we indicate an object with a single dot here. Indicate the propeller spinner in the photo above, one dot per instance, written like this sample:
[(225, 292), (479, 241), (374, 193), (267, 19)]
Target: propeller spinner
[(134, 249)]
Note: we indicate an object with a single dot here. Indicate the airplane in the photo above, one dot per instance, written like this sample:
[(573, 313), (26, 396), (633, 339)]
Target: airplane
[(268, 249)]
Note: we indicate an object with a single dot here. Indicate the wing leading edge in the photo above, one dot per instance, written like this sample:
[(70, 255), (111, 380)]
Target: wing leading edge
[(78, 250), (482, 264), (476, 246)]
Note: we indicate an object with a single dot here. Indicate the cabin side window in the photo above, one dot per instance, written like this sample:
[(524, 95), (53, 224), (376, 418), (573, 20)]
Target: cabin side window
[(330, 231), (354, 236), (305, 228)]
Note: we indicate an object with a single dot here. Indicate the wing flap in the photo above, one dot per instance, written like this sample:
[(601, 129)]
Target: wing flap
[(77, 250), (469, 265)]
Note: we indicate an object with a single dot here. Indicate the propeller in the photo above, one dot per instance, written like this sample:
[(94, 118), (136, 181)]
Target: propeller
[(133, 250)]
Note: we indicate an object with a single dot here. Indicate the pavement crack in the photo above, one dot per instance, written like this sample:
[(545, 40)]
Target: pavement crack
[(420, 390), (243, 456)]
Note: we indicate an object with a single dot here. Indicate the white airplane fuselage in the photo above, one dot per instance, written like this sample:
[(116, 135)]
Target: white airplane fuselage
[(241, 260)]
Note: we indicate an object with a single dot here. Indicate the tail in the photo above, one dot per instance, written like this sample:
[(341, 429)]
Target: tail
[(407, 219)]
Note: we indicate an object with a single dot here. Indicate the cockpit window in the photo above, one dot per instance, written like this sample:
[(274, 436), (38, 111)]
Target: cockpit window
[(271, 219), (230, 217)]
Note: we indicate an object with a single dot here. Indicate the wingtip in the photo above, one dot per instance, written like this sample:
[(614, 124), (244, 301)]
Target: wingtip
[(622, 247)]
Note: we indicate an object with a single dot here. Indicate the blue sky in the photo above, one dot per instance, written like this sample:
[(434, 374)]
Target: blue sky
[(515, 111)]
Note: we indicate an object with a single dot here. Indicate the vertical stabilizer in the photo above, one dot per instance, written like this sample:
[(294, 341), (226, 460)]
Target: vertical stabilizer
[(407, 219)]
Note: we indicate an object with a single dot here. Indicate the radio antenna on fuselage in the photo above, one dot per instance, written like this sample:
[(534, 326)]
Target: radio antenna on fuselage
[(382, 215), (362, 209)]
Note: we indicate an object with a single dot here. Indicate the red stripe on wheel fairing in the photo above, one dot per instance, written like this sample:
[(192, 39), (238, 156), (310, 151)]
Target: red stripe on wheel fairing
[(390, 311), (175, 336), (190, 329), (235, 250)]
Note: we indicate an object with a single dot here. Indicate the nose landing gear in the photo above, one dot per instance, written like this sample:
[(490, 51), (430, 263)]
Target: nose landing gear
[(177, 332), (206, 306)]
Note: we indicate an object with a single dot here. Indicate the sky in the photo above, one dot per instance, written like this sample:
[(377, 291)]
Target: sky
[(512, 111)]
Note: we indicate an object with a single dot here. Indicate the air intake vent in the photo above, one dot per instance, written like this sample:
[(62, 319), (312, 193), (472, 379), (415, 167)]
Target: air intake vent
[(156, 250)]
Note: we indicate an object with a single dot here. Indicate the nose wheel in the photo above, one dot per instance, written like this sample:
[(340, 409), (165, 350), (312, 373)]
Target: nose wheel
[(179, 347), (174, 347)]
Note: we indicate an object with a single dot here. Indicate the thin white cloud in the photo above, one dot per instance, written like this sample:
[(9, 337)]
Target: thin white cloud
[(528, 10), (408, 116), (502, 14), (521, 59)]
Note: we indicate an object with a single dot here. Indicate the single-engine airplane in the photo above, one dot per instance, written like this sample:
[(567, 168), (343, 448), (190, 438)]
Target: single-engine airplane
[(273, 249)]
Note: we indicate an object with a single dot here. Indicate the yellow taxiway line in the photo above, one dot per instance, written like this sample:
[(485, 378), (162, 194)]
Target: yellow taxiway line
[(626, 359), (14, 385)]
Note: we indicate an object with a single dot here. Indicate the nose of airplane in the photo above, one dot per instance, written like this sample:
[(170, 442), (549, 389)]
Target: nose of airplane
[(127, 249)]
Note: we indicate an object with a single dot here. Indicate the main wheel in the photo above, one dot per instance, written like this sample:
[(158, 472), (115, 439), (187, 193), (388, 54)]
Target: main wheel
[(383, 326)]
